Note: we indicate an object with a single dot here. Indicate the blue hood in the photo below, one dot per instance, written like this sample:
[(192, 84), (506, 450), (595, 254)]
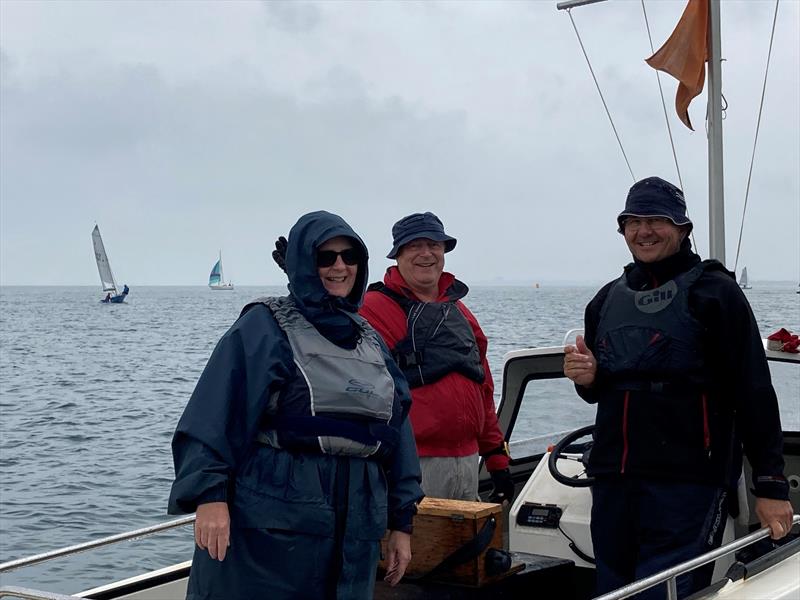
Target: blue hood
[(323, 310)]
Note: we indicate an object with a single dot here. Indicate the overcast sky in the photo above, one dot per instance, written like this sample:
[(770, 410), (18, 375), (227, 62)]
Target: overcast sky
[(183, 128)]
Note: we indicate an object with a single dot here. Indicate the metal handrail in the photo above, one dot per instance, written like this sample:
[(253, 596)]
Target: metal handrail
[(29, 594), (112, 539), (669, 576)]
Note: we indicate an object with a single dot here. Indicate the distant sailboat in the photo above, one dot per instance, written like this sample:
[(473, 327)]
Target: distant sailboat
[(104, 268), (216, 280), (743, 282)]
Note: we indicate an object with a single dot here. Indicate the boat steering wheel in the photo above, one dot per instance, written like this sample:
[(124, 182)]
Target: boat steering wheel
[(578, 452)]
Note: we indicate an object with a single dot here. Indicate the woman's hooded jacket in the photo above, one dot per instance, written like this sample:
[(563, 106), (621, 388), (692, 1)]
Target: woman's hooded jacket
[(214, 446)]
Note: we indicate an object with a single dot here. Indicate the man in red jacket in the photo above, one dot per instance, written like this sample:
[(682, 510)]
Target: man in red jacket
[(441, 349)]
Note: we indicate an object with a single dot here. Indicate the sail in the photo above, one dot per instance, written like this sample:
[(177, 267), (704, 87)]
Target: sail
[(743, 279), (215, 278), (103, 266)]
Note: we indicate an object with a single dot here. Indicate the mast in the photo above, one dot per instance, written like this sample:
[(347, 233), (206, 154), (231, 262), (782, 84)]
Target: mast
[(221, 274), (716, 196)]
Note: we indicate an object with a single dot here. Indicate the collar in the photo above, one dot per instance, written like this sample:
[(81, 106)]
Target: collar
[(450, 288), (645, 276)]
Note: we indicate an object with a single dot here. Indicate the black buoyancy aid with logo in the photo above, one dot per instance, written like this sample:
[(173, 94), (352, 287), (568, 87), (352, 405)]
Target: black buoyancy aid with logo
[(439, 339), (658, 414), (341, 401), (648, 340)]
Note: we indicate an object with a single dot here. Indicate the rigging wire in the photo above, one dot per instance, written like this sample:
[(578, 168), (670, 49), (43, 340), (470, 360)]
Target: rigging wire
[(597, 85), (755, 141), (666, 116)]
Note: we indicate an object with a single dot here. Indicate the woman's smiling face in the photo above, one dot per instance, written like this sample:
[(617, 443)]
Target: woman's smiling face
[(339, 277)]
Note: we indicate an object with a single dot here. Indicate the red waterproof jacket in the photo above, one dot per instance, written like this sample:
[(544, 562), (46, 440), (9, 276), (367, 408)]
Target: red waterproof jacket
[(453, 416)]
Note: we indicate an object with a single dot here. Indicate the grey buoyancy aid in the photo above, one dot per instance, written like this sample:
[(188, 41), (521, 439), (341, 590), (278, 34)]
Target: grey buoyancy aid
[(648, 340), (342, 402), (439, 341)]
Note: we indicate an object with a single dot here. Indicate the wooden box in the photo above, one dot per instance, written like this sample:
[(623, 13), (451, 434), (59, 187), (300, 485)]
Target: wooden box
[(443, 526)]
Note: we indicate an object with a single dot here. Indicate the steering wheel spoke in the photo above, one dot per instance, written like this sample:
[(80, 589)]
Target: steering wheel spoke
[(574, 457)]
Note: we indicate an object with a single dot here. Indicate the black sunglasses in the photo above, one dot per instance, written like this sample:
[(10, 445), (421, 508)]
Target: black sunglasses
[(350, 256)]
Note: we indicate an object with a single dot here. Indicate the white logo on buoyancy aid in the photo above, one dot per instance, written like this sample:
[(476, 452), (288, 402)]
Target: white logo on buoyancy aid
[(340, 381), (653, 301)]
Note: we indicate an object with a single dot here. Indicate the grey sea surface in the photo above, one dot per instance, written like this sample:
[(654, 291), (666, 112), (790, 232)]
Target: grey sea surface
[(90, 395)]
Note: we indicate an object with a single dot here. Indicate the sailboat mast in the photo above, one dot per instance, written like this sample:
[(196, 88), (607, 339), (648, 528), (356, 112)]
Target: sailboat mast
[(716, 195), (221, 274)]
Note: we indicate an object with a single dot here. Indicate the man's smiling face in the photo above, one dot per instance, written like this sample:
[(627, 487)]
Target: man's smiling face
[(421, 262), (653, 239)]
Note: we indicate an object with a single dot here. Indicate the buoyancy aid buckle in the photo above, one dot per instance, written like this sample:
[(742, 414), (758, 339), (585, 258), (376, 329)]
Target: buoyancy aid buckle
[(410, 359)]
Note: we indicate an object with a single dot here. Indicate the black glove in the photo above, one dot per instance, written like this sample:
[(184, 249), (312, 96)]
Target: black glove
[(503, 487), (279, 254)]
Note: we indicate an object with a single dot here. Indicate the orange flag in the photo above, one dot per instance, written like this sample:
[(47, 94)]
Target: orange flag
[(684, 56)]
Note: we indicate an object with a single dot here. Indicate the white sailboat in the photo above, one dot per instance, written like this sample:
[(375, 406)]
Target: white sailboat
[(743, 281), (216, 280), (107, 281)]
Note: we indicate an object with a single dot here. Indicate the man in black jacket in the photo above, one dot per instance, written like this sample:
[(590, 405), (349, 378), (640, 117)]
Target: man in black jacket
[(673, 358)]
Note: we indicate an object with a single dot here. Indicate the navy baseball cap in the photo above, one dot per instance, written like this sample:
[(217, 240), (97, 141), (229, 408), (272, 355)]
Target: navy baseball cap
[(655, 197), (419, 225)]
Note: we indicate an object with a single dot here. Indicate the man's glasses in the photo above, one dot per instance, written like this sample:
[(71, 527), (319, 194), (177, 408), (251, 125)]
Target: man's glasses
[(654, 223), (327, 258)]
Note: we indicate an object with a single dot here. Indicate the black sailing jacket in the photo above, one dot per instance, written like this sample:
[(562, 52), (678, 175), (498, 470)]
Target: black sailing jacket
[(641, 432)]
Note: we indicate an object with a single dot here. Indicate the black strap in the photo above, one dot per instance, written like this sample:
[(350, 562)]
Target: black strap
[(660, 387), (469, 550), (365, 433)]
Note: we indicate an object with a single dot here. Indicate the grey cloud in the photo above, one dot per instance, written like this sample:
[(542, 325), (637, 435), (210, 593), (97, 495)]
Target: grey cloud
[(176, 159), (293, 16)]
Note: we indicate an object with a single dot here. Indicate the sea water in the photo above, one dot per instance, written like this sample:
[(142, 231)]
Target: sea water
[(90, 394)]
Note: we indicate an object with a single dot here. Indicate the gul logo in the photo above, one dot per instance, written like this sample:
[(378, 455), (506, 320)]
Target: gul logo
[(360, 387), (653, 301)]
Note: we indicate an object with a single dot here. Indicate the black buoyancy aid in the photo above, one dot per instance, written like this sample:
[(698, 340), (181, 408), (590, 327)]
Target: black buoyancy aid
[(648, 340), (341, 401), (439, 340)]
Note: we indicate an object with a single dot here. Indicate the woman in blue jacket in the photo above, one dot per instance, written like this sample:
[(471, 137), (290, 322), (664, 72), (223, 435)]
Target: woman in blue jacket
[(295, 449)]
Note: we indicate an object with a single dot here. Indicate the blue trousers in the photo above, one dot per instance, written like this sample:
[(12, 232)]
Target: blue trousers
[(641, 527)]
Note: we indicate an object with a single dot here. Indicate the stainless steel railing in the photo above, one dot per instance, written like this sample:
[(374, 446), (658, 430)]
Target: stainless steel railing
[(669, 576), (112, 539), (29, 594)]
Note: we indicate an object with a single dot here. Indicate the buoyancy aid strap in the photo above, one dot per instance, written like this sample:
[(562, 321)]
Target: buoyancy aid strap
[(364, 433), (501, 449), (666, 387), (404, 302)]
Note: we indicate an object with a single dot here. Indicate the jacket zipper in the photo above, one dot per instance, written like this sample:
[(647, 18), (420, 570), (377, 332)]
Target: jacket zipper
[(412, 325), (706, 430), (625, 431)]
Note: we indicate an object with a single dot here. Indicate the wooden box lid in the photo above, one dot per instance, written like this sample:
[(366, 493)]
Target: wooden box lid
[(444, 507)]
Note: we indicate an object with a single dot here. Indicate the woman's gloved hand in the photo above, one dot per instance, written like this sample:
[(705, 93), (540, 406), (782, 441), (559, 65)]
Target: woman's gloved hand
[(503, 486), (279, 254)]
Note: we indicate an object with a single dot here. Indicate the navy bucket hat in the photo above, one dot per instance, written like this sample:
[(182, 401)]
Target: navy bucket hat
[(654, 197), (419, 225)]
